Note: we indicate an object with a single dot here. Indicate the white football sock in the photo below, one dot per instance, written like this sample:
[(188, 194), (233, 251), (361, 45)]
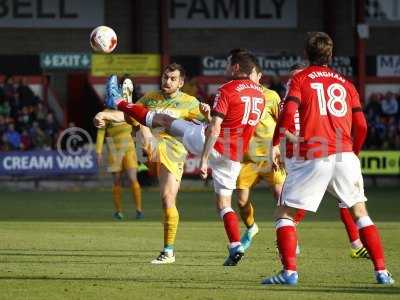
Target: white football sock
[(234, 244), (357, 244)]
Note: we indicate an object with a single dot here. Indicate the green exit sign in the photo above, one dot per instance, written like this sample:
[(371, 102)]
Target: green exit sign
[(63, 61)]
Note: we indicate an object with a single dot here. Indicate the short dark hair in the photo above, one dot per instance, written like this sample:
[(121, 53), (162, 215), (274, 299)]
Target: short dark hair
[(319, 47), (246, 61), (295, 67), (236, 51), (176, 67), (239, 51)]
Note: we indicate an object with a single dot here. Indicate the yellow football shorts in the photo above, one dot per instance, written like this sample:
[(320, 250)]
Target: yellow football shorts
[(122, 161), (252, 173), (168, 154), (170, 160)]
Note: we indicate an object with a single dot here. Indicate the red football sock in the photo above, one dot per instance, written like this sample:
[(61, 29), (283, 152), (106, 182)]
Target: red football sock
[(299, 216), (231, 224), (370, 237), (287, 242), (349, 224), (136, 111)]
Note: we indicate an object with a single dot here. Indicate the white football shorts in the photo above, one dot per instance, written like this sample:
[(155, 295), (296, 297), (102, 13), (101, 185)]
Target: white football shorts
[(224, 171), (308, 180)]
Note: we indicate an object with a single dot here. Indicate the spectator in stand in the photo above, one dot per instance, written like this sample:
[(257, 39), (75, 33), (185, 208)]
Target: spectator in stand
[(51, 127), (9, 88), (26, 95), (40, 112), (25, 122), (380, 125), (389, 104), (373, 108), (13, 138), (3, 125), (2, 95), (26, 140), (392, 133), (373, 141), (3, 143), (4, 107), (39, 139), (383, 112), (24, 119), (14, 105)]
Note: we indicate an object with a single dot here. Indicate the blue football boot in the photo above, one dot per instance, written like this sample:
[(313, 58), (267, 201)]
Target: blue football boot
[(113, 92), (282, 278)]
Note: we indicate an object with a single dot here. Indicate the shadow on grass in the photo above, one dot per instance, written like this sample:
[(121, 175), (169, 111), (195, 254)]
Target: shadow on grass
[(376, 290), (74, 255), (101, 250), (250, 285), (65, 262)]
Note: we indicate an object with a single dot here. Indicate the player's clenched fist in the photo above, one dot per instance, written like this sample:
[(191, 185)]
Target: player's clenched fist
[(276, 158), (203, 169), (205, 110)]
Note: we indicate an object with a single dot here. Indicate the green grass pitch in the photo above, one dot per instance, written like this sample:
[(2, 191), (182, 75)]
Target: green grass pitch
[(64, 245)]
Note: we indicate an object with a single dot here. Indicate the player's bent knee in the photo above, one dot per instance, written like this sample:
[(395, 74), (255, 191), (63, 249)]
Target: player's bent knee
[(132, 173), (359, 210), (284, 212), (117, 178), (168, 199), (223, 201), (242, 198)]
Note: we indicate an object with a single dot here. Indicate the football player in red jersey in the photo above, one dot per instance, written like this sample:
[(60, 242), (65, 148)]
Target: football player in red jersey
[(357, 249), (332, 132), (236, 111)]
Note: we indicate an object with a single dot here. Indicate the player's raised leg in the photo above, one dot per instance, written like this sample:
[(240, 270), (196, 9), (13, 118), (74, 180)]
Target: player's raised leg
[(115, 100)]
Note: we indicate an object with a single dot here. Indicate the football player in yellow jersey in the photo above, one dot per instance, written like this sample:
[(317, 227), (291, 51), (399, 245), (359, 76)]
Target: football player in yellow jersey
[(256, 164), (168, 151), (121, 155)]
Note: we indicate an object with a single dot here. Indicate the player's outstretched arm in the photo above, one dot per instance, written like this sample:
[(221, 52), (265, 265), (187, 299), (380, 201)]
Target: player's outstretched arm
[(359, 130), (212, 135), (103, 117)]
